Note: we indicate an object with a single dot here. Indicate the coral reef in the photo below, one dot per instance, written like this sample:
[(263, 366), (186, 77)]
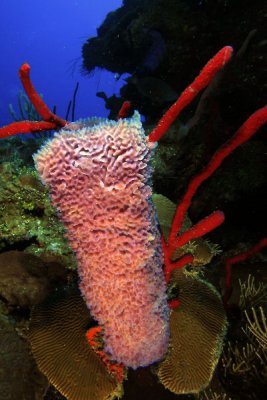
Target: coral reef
[(197, 317), (25, 280), (27, 219), (20, 377), (244, 357)]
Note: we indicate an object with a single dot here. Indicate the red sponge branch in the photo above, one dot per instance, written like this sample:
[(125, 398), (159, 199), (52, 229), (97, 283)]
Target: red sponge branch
[(26, 127), (124, 110), (51, 121), (171, 266), (37, 101), (202, 80), (200, 229), (244, 133)]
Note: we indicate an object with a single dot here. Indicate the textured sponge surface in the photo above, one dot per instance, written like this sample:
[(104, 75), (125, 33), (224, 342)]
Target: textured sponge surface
[(99, 180)]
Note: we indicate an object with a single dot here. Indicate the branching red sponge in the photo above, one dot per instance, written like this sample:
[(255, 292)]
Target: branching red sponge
[(99, 180)]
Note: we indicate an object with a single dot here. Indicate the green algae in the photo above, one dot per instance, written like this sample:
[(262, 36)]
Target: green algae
[(28, 221)]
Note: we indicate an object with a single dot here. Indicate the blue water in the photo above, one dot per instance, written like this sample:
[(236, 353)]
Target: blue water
[(49, 36)]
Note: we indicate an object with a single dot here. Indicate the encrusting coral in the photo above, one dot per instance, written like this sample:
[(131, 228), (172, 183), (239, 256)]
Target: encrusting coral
[(26, 280), (27, 218)]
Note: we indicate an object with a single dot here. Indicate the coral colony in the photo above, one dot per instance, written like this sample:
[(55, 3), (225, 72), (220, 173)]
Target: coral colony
[(99, 179)]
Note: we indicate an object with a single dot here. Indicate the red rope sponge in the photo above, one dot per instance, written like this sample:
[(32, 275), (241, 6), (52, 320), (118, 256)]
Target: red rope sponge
[(244, 133), (51, 121), (124, 110), (37, 101), (212, 67), (26, 127)]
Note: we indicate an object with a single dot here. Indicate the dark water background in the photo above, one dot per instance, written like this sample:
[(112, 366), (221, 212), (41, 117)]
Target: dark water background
[(49, 36)]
